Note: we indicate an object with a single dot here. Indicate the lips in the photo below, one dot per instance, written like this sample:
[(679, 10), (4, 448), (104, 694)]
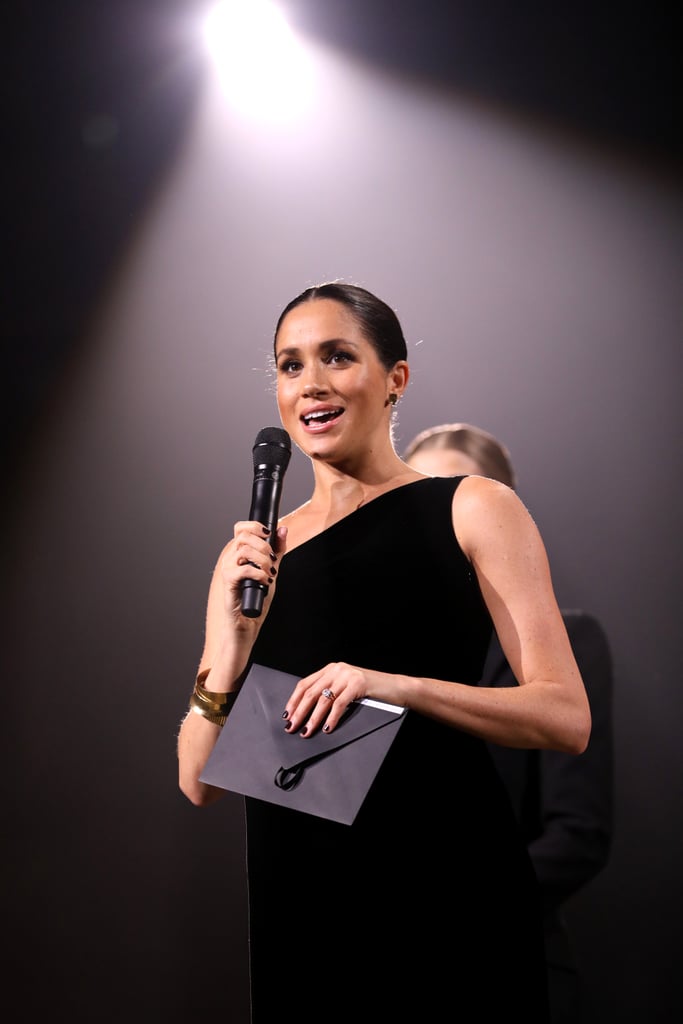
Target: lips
[(321, 417)]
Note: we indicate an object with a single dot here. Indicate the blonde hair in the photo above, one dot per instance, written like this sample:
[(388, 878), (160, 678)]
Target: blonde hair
[(479, 444)]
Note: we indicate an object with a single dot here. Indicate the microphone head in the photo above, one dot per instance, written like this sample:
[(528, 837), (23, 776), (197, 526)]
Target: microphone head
[(272, 447)]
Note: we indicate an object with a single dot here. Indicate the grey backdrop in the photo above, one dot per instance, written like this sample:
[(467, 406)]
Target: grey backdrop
[(537, 277)]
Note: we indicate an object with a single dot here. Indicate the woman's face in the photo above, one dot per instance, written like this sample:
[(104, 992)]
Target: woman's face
[(331, 386), (444, 462)]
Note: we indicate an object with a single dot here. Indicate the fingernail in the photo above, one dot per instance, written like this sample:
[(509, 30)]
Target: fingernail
[(326, 728), (285, 714)]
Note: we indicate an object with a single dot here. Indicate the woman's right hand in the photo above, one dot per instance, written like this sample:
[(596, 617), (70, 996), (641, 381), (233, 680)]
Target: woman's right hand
[(252, 554)]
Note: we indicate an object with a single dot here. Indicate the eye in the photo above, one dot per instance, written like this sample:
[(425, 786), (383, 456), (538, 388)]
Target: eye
[(289, 366), (340, 358)]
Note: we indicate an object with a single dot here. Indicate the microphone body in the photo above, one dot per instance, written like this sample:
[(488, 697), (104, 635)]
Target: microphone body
[(271, 452)]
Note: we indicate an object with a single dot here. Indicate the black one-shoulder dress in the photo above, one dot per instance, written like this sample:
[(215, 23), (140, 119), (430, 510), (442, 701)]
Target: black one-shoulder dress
[(426, 907)]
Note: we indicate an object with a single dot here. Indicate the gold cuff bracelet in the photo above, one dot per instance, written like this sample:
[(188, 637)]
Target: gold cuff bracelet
[(215, 707)]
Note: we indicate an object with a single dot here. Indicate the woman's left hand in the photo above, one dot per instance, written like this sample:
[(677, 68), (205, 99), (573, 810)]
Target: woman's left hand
[(320, 700)]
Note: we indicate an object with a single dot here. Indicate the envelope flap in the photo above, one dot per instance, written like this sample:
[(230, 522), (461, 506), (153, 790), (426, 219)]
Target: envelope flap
[(358, 721)]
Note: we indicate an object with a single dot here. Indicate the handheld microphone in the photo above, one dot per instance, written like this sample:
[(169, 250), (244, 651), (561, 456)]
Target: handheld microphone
[(272, 451)]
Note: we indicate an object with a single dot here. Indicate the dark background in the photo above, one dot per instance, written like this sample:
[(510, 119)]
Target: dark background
[(130, 417)]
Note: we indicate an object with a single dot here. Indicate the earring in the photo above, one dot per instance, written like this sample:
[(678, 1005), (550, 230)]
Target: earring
[(392, 399)]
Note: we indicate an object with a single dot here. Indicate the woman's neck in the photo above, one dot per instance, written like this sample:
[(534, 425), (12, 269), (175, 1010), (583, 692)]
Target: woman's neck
[(340, 491), (337, 494)]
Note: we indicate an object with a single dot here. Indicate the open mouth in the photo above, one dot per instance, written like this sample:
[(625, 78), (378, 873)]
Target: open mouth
[(323, 416)]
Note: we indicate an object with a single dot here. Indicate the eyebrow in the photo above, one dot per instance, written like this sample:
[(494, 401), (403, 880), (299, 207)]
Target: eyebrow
[(324, 346)]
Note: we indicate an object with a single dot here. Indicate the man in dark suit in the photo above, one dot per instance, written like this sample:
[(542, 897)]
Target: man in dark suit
[(564, 803)]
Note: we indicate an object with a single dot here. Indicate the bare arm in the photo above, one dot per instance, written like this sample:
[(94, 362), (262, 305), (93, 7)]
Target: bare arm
[(229, 638), (549, 709)]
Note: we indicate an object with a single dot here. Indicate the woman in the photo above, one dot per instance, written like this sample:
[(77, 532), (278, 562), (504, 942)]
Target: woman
[(454, 449), (385, 584)]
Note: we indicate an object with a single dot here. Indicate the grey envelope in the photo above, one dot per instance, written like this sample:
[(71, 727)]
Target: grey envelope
[(328, 774)]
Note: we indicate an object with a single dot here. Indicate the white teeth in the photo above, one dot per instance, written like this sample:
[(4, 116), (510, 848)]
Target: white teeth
[(320, 414)]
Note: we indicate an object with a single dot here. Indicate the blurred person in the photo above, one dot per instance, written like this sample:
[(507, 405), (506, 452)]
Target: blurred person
[(427, 905), (564, 804)]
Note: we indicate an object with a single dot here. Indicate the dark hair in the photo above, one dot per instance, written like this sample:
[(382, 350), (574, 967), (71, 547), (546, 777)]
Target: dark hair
[(378, 321), (484, 448)]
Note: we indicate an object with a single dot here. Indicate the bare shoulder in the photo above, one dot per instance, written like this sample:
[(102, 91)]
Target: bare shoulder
[(482, 489), (488, 511)]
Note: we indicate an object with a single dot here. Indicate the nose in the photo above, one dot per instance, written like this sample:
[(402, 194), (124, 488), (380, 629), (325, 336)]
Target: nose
[(314, 383)]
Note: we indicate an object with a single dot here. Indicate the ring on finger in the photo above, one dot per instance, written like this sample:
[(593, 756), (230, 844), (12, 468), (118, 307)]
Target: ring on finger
[(329, 694)]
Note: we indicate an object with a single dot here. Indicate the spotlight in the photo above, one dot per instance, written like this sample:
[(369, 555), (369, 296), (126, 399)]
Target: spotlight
[(261, 64)]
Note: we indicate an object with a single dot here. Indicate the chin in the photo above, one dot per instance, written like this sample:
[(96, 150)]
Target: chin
[(317, 447)]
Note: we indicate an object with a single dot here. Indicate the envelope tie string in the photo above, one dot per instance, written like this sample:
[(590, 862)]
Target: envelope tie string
[(289, 777)]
